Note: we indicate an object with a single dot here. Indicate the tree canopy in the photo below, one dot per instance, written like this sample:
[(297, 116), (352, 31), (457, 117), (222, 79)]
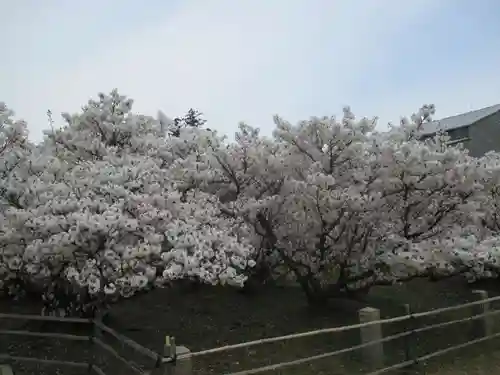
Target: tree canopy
[(116, 202)]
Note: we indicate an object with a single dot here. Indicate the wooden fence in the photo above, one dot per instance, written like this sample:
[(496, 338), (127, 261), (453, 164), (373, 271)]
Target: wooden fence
[(371, 338), (178, 360), (95, 339)]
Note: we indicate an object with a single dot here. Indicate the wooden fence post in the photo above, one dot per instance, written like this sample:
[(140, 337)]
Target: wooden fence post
[(183, 366), (92, 346), (409, 340), (173, 364), (97, 331), (373, 355), (482, 326)]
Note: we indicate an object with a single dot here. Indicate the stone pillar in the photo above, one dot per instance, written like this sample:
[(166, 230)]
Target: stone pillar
[(373, 355)]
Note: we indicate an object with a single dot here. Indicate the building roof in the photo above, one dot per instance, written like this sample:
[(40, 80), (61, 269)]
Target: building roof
[(459, 121)]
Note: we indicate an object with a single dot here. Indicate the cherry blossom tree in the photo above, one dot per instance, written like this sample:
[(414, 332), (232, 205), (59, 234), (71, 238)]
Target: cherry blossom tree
[(296, 192), (106, 218), (14, 156), (432, 191), (477, 249), (14, 149), (340, 207)]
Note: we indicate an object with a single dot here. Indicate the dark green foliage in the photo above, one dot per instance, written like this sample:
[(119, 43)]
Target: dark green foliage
[(193, 118)]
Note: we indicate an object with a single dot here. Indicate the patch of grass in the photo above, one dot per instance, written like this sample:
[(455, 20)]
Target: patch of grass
[(480, 359)]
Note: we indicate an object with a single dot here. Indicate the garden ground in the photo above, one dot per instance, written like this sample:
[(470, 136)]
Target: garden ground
[(216, 316)]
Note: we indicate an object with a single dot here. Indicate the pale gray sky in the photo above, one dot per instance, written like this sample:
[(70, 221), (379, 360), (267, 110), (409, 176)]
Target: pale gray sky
[(249, 59)]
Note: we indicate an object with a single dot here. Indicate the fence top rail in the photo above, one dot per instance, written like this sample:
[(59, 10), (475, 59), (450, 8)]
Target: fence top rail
[(456, 307), (7, 357), (342, 328), (298, 335), (45, 318), (312, 358), (63, 336)]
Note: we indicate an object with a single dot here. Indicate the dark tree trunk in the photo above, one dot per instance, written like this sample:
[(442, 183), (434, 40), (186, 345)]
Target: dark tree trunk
[(318, 295), (315, 294)]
